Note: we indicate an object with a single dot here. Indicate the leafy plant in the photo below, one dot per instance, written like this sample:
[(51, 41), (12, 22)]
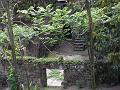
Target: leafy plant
[(3, 38), (49, 23), (12, 79), (107, 39), (24, 33), (56, 74)]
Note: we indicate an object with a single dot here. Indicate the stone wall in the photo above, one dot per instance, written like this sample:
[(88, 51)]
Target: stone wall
[(28, 72), (75, 72), (3, 76)]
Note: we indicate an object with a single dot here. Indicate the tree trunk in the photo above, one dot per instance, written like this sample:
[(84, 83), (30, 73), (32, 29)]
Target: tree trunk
[(11, 37), (91, 46)]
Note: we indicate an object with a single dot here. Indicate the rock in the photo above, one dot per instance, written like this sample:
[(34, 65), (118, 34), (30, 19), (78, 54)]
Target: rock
[(64, 84), (3, 81)]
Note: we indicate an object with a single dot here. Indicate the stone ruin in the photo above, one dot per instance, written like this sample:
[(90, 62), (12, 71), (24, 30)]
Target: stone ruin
[(74, 74)]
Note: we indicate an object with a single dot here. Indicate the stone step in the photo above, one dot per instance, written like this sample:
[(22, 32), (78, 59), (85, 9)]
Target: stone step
[(83, 41), (68, 39), (79, 49), (79, 39), (79, 46), (78, 43)]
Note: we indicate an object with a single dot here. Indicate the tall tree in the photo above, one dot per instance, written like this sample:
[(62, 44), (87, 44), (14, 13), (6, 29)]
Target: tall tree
[(11, 37), (91, 46)]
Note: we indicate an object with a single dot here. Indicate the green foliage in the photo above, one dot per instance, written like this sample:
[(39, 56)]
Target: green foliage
[(50, 23), (114, 58), (56, 74), (24, 4), (78, 21), (13, 84), (24, 33), (31, 87), (106, 22), (107, 29), (3, 38), (45, 61)]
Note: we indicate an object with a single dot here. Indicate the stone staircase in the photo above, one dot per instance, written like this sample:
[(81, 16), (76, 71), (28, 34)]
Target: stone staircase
[(79, 43)]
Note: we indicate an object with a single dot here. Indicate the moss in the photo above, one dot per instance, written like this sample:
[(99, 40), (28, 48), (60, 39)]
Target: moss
[(52, 55), (43, 61)]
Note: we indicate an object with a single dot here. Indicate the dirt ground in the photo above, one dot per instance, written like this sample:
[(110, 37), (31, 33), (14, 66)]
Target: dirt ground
[(74, 88), (66, 50)]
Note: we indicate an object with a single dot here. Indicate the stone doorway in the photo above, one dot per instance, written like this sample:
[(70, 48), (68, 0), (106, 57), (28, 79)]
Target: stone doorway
[(54, 77)]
